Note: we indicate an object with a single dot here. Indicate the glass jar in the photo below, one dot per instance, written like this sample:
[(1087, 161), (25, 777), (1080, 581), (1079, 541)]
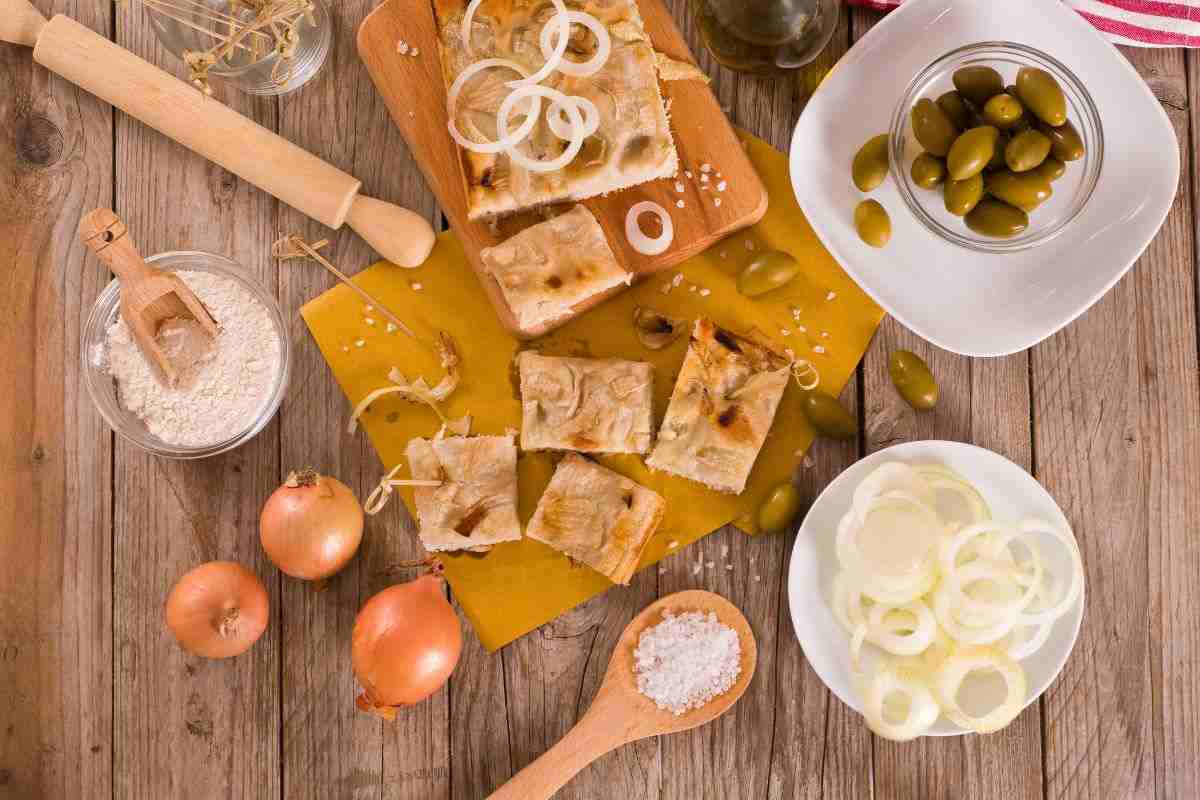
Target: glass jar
[(255, 65), (1071, 192), (766, 36)]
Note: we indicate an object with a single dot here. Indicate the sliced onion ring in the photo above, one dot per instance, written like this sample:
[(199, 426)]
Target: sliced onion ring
[(638, 240), (883, 634), (944, 610), (580, 69), (506, 140), (954, 671), (922, 707), (576, 141), (556, 58), (560, 126), (1074, 587), (951, 570), (468, 16)]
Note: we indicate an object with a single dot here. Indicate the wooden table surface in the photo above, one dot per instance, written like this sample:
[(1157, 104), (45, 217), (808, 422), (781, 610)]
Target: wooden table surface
[(96, 699)]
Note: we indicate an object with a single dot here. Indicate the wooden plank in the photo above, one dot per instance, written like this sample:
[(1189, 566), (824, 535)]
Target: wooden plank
[(820, 748), (329, 747), (1117, 445), (985, 402), (415, 92), (185, 726), (55, 451)]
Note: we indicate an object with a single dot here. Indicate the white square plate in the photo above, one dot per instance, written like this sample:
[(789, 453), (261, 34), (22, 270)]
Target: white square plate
[(974, 303)]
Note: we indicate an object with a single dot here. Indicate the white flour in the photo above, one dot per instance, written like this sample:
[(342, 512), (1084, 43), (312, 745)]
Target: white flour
[(686, 660), (224, 393)]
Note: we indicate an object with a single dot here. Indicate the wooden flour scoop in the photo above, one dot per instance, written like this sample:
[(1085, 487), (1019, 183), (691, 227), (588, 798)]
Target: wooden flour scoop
[(149, 296), (620, 713), (215, 131)]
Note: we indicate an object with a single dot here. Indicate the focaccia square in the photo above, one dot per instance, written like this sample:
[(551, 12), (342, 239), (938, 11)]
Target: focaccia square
[(547, 269), (633, 143), (597, 517), (476, 505), (593, 405), (721, 408)]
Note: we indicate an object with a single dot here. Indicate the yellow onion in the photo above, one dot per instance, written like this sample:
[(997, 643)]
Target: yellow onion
[(406, 642), (311, 526), (218, 610)]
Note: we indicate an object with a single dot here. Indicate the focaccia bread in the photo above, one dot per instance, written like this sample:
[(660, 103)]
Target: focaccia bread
[(597, 517), (594, 405), (633, 143), (721, 408), (476, 505), (547, 269)]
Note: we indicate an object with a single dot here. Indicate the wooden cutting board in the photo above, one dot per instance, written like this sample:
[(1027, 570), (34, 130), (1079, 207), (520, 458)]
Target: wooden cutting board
[(415, 94)]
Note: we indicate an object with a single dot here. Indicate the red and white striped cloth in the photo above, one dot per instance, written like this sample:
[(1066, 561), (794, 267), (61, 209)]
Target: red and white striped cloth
[(1143, 23)]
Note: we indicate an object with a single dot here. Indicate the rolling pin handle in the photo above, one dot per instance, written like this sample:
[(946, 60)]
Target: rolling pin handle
[(20, 22)]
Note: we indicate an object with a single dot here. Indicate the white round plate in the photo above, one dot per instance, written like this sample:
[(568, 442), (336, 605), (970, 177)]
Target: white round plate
[(981, 304), (1011, 493)]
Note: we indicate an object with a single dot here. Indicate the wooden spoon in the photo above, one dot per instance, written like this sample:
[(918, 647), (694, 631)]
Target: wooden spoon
[(620, 713), (149, 296)]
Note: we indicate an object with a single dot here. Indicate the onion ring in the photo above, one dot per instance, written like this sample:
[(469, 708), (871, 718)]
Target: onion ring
[(1074, 588), (579, 69), (506, 140), (954, 671), (943, 609), (640, 241), (948, 558), (561, 127), (576, 143), (921, 635), (555, 59), (922, 707)]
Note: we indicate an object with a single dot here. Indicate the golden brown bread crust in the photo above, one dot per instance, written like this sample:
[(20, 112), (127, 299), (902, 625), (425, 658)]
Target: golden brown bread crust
[(721, 409), (597, 517), (593, 405), (633, 143)]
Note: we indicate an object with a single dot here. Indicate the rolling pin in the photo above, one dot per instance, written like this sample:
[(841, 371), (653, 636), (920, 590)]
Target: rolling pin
[(220, 134)]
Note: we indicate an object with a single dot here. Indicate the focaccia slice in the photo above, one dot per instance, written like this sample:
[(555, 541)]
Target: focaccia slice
[(547, 269), (597, 517), (593, 405), (476, 505), (721, 408), (633, 142)]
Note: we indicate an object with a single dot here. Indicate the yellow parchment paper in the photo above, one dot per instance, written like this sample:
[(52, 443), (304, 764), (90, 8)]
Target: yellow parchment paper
[(521, 585)]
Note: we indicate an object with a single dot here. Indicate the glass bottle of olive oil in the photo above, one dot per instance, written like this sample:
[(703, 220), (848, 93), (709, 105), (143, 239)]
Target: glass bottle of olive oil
[(765, 36)]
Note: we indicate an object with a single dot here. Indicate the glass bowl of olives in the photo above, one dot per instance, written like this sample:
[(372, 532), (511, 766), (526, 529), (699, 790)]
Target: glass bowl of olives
[(996, 147)]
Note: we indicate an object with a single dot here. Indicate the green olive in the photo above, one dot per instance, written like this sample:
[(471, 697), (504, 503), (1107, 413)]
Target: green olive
[(768, 272), (1003, 111), (1042, 95), (1025, 190), (962, 196), (1051, 169), (997, 160), (978, 84), (913, 380), (996, 219), (1027, 150), (972, 151), (932, 127), (871, 163), (1065, 142), (780, 508), (928, 171), (872, 222), (956, 109), (828, 417)]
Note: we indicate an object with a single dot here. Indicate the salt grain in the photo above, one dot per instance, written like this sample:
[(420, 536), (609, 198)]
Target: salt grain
[(818, 349), (802, 329), (784, 332), (679, 204), (717, 202), (696, 569), (391, 328), (685, 661), (368, 321), (679, 187), (402, 47), (724, 550), (729, 567), (368, 308), (749, 244), (824, 334), (692, 288), (678, 279), (704, 179), (711, 564), (416, 51), (687, 174), (672, 544), (705, 292), (706, 167), (721, 186), (831, 295), (416, 286), (359, 342)]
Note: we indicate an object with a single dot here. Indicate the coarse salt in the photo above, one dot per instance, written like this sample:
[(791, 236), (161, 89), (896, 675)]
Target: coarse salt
[(688, 174), (818, 349), (705, 292), (678, 187), (672, 544), (391, 327), (706, 167), (678, 279), (679, 204), (402, 47), (717, 202), (368, 321), (721, 186), (359, 342), (831, 295), (685, 661), (416, 286)]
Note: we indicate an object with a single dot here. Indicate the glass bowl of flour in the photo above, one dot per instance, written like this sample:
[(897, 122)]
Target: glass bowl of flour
[(231, 389)]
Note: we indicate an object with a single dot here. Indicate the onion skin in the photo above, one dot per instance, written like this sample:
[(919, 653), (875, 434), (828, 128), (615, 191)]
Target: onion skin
[(311, 526), (218, 610), (407, 640)]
